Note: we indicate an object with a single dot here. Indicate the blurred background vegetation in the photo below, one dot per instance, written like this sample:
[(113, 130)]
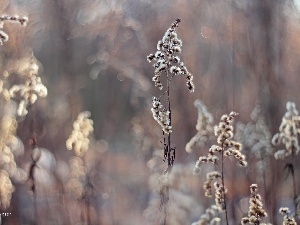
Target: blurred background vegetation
[(92, 57)]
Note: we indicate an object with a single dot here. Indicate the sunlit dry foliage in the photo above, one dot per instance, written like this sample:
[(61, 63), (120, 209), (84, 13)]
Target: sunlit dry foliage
[(27, 92), (203, 126), (6, 189), (210, 217), (4, 19), (288, 133), (287, 219), (92, 57), (183, 206), (256, 212), (79, 138)]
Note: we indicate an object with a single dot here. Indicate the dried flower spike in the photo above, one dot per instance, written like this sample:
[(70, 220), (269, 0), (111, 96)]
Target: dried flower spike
[(161, 115), (6, 189), (167, 60), (79, 138), (228, 147), (287, 219), (288, 132), (256, 211), (207, 184), (255, 135)]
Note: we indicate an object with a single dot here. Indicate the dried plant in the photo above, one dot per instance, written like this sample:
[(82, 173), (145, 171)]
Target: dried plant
[(288, 133), (10, 147), (15, 19), (79, 138), (287, 219), (183, 205), (226, 147), (169, 64), (79, 184), (203, 126), (7, 138), (26, 93), (256, 211), (210, 217), (6, 189), (256, 137), (167, 59)]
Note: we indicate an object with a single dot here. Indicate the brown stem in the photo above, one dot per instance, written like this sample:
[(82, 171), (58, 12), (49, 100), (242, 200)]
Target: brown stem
[(265, 185), (34, 160), (169, 156), (294, 189), (222, 172)]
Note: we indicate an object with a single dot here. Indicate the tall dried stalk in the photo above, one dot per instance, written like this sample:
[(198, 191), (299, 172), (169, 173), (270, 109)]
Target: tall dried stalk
[(169, 64)]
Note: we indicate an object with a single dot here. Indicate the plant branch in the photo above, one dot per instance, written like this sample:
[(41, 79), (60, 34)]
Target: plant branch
[(224, 196)]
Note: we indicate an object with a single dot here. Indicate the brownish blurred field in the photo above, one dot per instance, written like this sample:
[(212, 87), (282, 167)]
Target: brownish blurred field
[(92, 55)]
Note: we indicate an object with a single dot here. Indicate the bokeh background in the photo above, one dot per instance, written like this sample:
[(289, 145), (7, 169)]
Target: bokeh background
[(92, 57)]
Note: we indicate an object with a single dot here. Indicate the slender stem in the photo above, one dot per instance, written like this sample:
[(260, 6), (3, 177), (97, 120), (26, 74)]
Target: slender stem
[(170, 160), (170, 163), (34, 160), (222, 172), (32, 177), (265, 185), (166, 201), (294, 189)]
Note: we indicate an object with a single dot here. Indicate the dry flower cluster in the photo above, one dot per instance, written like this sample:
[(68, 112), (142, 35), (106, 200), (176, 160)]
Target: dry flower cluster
[(288, 132), (161, 115), (165, 184), (221, 190), (5, 18), (79, 138), (203, 126), (32, 88), (9, 148), (255, 135), (287, 219), (210, 217), (26, 93), (7, 140), (6, 189), (210, 177), (228, 147), (256, 211), (167, 60), (29, 93)]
